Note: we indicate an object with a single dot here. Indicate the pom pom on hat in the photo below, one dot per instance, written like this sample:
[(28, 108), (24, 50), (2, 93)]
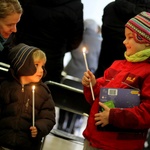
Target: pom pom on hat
[(140, 24), (21, 60)]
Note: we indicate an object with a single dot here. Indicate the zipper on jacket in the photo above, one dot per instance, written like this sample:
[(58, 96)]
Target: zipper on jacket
[(131, 86), (22, 89), (27, 105)]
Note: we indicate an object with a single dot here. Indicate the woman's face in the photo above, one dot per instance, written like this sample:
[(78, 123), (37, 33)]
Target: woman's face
[(8, 25), (131, 45)]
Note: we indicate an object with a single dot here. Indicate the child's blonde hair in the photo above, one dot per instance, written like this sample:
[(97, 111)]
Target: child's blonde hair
[(39, 55)]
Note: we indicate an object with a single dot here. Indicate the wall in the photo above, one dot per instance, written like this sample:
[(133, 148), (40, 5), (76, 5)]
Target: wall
[(94, 9)]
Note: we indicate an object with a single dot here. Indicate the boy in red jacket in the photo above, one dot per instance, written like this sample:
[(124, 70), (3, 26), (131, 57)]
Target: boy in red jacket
[(130, 124)]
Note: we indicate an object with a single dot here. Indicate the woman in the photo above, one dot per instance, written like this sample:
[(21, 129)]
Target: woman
[(10, 13)]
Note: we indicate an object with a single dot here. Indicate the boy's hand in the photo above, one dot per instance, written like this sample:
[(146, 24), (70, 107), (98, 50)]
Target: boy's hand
[(33, 131), (102, 118), (87, 78)]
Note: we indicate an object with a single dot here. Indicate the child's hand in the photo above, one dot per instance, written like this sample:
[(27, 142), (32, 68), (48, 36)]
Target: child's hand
[(102, 118), (33, 131), (87, 78)]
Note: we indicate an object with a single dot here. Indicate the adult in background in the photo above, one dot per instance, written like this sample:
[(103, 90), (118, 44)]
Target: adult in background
[(92, 42), (76, 68), (10, 13), (115, 16), (56, 27)]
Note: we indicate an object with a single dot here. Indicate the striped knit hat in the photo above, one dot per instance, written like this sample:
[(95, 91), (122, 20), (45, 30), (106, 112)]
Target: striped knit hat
[(21, 60), (140, 25)]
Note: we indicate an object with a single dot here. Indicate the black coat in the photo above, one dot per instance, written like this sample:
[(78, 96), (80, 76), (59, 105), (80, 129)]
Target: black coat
[(55, 26), (115, 16), (16, 114)]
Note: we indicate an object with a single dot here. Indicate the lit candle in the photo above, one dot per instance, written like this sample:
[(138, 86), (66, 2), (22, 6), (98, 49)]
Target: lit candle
[(85, 60), (33, 105), (86, 65)]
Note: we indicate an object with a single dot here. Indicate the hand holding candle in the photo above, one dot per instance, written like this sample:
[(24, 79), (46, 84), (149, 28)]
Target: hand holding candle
[(33, 105), (86, 65)]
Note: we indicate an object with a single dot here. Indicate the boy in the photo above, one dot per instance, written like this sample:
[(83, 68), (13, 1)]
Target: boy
[(132, 73), (16, 129)]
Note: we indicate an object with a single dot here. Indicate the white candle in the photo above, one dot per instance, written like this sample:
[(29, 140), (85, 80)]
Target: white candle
[(86, 65), (85, 60), (33, 105)]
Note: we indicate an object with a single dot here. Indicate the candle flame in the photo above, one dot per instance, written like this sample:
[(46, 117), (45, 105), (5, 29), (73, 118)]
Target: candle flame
[(84, 50), (33, 87)]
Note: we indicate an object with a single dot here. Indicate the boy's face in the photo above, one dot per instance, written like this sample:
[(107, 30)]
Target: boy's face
[(131, 45), (37, 76), (8, 25)]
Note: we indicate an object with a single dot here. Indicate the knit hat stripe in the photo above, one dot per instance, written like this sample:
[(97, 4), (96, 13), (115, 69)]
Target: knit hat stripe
[(140, 28), (24, 57), (144, 16), (21, 57), (144, 20), (140, 25), (18, 59), (17, 55)]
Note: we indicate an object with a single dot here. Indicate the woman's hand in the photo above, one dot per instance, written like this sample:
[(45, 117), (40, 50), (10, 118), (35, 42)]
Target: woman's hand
[(102, 118), (87, 78)]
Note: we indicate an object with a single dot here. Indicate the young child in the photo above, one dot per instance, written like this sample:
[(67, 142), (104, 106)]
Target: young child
[(16, 129), (132, 73)]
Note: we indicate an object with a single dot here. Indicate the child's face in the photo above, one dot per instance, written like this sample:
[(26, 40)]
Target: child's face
[(37, 76), (8, 24), (131, 45)]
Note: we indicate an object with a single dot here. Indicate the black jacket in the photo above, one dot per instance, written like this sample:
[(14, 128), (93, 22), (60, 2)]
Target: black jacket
[(16, 114), (55, 26)]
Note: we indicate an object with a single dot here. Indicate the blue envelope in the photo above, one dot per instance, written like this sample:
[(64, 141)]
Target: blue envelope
[(119, 97)]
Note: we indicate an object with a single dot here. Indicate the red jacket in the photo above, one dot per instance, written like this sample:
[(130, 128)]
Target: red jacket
[(122, 74)]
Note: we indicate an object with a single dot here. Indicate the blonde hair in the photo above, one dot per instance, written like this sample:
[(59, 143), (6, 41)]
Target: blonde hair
[(8, 7), (39, 55)]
